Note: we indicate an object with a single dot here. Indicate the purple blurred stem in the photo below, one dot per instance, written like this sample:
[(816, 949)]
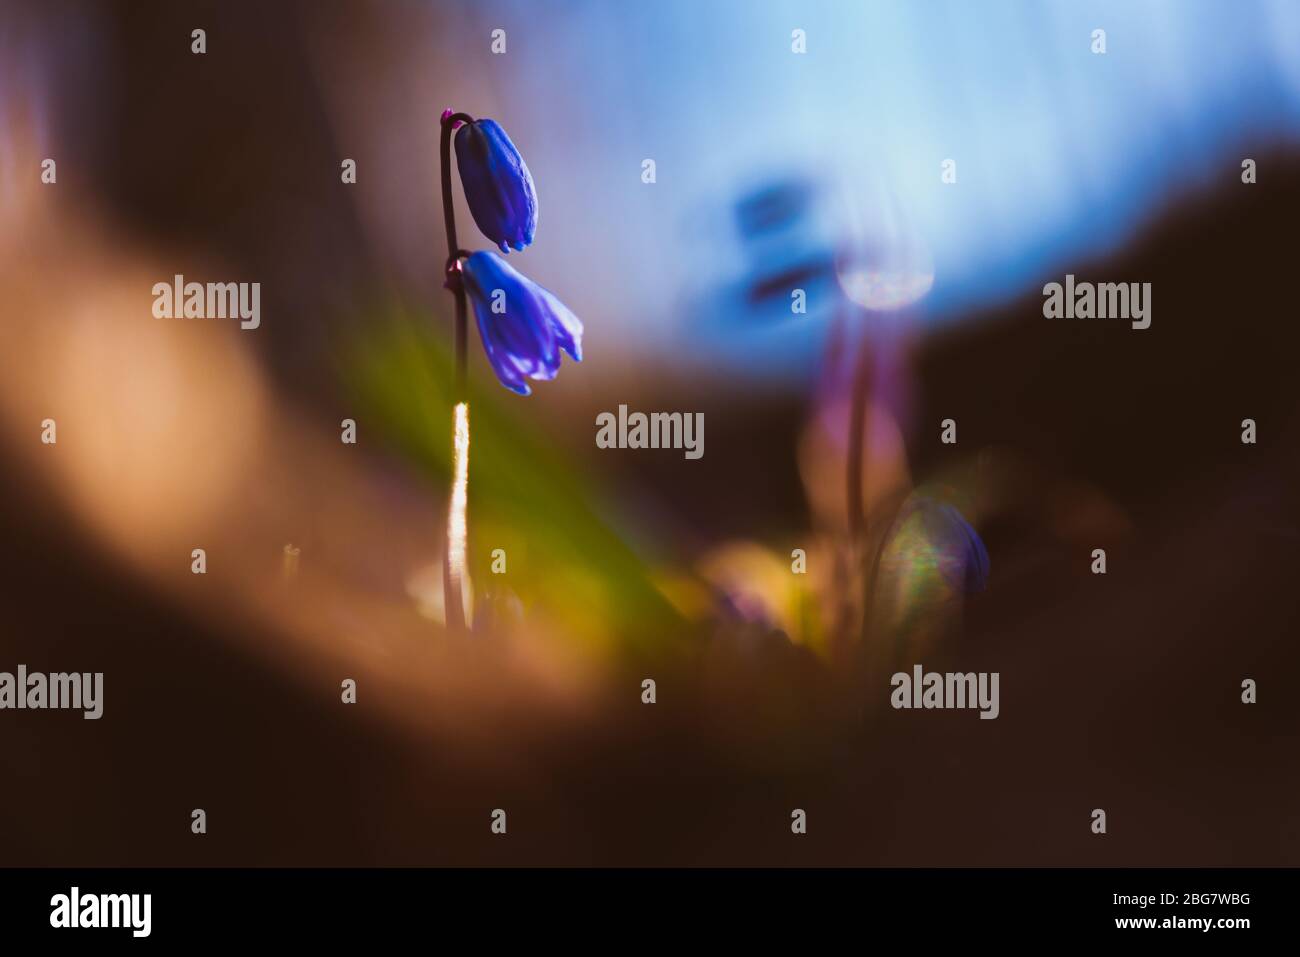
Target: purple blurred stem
[(857, 437)]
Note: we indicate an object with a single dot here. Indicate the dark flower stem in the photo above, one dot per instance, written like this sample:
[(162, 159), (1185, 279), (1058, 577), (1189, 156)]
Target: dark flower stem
[(454, 282), (861, 389), (452, 586)]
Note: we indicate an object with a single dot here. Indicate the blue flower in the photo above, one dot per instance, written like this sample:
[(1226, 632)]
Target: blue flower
[(522, 325), (498, 186)]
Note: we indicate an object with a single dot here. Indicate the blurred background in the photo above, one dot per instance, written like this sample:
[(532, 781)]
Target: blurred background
[(775, 171)]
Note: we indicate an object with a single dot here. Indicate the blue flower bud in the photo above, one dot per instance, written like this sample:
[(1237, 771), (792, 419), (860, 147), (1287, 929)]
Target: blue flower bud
[(522, 325), (498, 186)]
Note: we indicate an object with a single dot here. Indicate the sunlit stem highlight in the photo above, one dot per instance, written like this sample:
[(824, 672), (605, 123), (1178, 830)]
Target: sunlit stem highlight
[(456, 528)]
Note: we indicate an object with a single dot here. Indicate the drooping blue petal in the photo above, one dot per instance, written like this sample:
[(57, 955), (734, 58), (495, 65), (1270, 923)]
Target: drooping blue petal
[(503, 364), (523, 340), (568, 328), (498, 186), (514, 315)]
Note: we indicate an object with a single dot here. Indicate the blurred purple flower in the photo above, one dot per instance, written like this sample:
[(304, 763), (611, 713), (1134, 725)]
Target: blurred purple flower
[(498, 186), (522, 325), (969, 548)]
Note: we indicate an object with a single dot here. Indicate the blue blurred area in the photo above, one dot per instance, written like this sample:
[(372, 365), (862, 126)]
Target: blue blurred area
[(769, 162)]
